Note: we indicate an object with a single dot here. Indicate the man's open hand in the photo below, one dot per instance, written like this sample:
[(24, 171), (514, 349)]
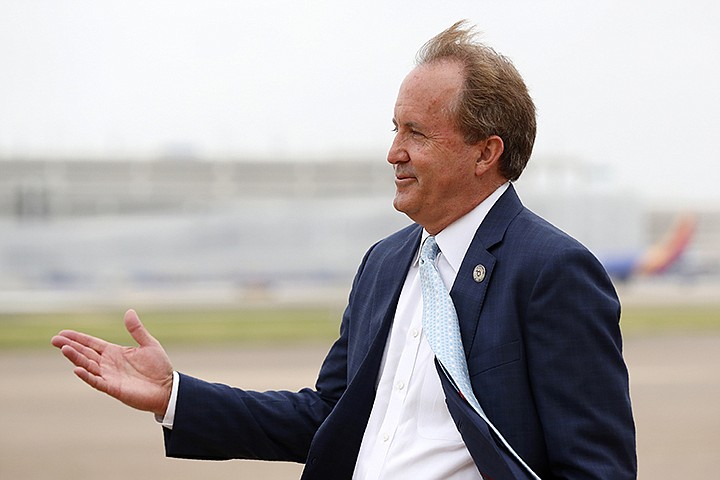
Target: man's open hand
[(140, 377)]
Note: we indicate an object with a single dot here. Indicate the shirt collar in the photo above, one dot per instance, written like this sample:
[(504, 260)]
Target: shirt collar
[(455, 239)]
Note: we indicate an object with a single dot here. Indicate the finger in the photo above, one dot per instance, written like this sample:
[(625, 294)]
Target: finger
[(80, 348), (64, 338), (94, 381), (137, 330), (80, 360), (58, 341)]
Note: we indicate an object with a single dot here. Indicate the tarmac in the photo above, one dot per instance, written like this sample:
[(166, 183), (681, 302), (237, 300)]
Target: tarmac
[(52, 426)]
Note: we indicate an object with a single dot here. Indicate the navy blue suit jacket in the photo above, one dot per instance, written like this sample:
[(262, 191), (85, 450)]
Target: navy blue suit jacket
[(542, 338)]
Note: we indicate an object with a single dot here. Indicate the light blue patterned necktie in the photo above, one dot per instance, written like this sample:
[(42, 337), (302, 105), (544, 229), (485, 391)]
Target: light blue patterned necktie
[(441, 326), (442, 330)]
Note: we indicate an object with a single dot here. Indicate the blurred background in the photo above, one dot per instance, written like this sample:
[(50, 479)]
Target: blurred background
[(170, 156)]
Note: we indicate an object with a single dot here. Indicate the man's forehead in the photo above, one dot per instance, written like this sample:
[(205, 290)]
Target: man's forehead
[(427, 90), (430, 83), (435, 74)]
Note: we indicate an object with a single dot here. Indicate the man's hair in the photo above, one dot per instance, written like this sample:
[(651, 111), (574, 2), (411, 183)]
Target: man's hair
[(494, 99)]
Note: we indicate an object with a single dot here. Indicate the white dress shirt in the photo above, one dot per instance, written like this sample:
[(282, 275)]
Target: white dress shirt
[(410, 433)]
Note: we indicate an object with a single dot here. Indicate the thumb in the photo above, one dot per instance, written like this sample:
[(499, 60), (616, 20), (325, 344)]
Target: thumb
[(137, 330)]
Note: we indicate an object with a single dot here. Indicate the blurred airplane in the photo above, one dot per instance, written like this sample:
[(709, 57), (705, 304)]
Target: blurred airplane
[(658, 258)]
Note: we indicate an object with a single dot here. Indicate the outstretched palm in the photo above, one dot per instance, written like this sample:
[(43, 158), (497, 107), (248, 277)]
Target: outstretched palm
[(140, 377)]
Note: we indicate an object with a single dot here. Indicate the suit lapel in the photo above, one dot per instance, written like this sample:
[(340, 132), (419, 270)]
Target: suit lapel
[(335, 447), (392, 271), (389, 272), (393, 268), (468, 294)]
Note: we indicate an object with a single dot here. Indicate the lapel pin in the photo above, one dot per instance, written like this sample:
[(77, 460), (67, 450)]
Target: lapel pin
[(479, 273)]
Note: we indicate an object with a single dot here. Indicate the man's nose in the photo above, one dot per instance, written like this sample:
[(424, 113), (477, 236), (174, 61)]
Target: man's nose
[(397, 154)]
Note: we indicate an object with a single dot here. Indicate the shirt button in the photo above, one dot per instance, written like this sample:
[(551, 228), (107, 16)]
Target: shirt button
[(400, 385), (415, 332), (386, 437)]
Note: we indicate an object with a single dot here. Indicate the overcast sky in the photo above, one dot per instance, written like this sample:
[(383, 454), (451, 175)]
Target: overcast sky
[(629, 87)]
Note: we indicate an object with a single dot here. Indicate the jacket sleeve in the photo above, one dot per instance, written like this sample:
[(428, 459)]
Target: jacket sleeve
[(578, 376), (218, 422)]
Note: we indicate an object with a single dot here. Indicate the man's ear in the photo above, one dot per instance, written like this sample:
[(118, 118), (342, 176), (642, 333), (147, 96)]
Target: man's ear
[(488, 154)]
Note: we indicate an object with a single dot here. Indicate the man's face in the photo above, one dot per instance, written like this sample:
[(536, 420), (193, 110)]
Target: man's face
[(434, 167)]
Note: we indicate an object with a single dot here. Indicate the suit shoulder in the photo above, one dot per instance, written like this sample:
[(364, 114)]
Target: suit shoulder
[(543, 238), (541, 247)]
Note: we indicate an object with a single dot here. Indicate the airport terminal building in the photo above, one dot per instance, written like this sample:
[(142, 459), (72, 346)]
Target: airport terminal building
[(116, 224)]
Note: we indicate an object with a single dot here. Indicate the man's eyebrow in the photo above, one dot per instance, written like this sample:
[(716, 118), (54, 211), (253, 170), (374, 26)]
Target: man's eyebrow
[(407, 124)]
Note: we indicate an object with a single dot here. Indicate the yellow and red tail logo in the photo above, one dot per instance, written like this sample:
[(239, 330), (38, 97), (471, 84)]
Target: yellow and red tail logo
[(661, 256)]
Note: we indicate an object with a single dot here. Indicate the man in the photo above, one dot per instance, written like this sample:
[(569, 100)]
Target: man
[(537, 314)]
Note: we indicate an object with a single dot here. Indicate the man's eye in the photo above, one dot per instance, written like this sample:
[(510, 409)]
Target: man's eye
[(415, 133)]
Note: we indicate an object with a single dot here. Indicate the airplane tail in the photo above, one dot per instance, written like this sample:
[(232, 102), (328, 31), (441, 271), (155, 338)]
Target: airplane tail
[(661, 256)]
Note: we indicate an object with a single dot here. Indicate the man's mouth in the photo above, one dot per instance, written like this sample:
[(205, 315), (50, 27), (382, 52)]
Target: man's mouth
[(401, 177), (404, 181)]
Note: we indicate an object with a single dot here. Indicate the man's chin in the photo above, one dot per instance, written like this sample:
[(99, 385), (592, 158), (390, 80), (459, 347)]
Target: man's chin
[(402, 204)]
